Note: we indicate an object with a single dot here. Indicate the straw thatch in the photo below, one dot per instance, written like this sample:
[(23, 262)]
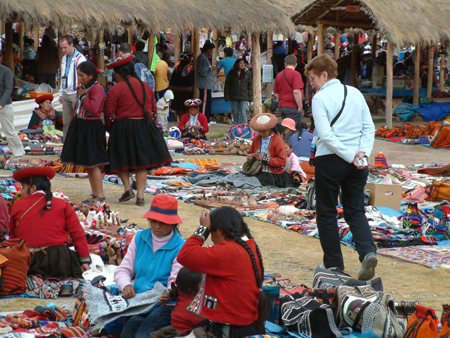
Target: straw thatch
[(401, 21)]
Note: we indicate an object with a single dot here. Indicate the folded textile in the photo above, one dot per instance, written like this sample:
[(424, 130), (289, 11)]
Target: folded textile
[(237, 180), (104, 307)]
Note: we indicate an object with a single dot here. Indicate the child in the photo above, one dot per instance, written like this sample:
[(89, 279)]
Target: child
[(85, 142), (193, 125), (186, 288), (294, 168), (163, 109)]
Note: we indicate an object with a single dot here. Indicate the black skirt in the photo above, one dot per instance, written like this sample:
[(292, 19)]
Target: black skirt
[(55, 261), (85, 144), (177, 104), (134, 145), (283, 180)]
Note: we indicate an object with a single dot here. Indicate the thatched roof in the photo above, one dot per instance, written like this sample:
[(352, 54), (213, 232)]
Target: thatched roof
[(401, 21)]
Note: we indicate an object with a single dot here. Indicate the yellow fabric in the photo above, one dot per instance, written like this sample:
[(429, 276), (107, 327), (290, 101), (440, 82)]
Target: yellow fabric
[(161, 80), (178, 183)]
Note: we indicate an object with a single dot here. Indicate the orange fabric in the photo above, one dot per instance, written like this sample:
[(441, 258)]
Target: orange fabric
[(423, 323), (443, 138), (309, 171)]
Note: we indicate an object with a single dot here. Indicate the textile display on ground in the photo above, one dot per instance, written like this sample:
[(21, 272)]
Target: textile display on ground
[(429, 256)]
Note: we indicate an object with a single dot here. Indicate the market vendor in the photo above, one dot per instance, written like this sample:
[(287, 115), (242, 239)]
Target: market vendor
[(45, 114), (45, 224), (269, 148), (194, 124)]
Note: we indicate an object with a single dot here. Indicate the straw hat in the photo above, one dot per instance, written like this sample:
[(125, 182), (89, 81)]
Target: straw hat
[(263, 122)]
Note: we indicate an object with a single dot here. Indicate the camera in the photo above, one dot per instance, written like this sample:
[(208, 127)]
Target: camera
[(361, 161)]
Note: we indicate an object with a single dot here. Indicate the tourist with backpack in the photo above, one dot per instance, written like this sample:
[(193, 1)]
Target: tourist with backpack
[(140, 68)]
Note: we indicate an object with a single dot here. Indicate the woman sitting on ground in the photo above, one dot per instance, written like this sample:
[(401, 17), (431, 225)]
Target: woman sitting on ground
[(301, 146), (230, 297), (194, 125), (151, 258), (269, 148), (45, 224), (45, 114)]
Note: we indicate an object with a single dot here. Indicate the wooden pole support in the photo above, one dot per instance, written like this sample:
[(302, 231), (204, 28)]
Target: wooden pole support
[(389, 84), (416, 75), (92, 37), (320, 42), (441, 72), (337, 51), (176, 48), (374, 44), (21, 34), (100, 59), (8, 58), (36, 37), (130, 34), (355, 52), (216, 47), (430, 71), (310, 46), (256, 49), (196, 51)]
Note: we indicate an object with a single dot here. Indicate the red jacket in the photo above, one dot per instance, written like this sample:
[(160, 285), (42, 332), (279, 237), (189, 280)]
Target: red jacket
[(92, 104), (183, 320), (52, 228), (201, 119), (122, 104), (277, 152), (230, 283)]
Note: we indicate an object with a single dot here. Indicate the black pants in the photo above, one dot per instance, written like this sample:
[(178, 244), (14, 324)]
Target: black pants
[(333, 172), (205, 108)]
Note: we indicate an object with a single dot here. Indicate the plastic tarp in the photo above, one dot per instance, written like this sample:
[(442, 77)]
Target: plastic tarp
[(434, 111)]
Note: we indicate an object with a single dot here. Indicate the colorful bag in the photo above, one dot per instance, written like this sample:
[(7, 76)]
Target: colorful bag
[(423, 323), (439, 191), (411, 217), (445, 332), (380, 161), (241, 130), (325, 278), (272, 293), (15, 271)]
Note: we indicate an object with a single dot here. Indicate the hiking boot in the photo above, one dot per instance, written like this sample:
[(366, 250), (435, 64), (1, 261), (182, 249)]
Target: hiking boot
[(368, 266)]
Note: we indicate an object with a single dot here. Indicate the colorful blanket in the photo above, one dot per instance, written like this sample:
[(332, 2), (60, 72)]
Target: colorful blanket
[(430, 256)]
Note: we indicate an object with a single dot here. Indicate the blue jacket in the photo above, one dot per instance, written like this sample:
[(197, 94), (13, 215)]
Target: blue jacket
[(154, 267), (353, 131)]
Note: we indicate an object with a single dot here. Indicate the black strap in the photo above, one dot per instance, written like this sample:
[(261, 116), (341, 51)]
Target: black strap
[(284, 72), (359, 315), (342, 108)]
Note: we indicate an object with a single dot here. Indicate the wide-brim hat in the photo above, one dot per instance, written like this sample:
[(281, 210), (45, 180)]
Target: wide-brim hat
[(120, 62), (264, 121), (367, 52), (20, 175), (164, 208), (288, 123), (42, 98), (193, 103)]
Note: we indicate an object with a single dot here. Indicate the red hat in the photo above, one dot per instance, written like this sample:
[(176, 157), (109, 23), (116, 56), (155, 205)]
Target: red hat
[(120, 62), (164, 208), (192, 103), (263, 121), (288, 123), (31, 172), (42, 98)]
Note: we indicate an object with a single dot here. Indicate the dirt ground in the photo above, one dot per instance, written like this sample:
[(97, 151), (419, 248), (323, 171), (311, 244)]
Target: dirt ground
[(285, 252)]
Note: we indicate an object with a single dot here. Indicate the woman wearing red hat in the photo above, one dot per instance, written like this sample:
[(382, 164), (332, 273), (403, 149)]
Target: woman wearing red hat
[(135, 144), (193, 125), (45, 224), (45, 114), (269, 148), (151, 258)]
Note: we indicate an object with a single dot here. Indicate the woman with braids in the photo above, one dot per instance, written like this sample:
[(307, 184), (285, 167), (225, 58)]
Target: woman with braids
[(230, 297), (135, 144), (45, 224), (85, 144)]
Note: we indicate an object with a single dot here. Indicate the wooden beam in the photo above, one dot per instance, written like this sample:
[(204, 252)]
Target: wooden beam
[(320, 42), (355, 52), (416, 75), (21, 33), (196, 51), (36, 37), (269, 85), (100, 59), (176, 48), (389, 84), (92, 37), (130, 34), (310, 46), (216, 47), (256, 51), (430, 71), (441, 72), (8, 58), (337, 51), (325, 12), (345, 24)]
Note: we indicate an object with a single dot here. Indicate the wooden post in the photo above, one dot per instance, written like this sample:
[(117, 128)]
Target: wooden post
[(100, 59), (389, 84), (310, 46), (196, 51), (416, 75), (430, 71), (130, 34), (151, 47), (284, 40), (256, 51), (320, 42), (269, 85), (8, 58), (21, 33), (355, 52), (92, 37), (2, 28), (374, 44), (216, 47), (337, 51), (176, 48), (36, 37), (441, 72)]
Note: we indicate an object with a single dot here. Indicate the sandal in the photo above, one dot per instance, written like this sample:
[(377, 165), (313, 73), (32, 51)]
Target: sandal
[(90, 202)]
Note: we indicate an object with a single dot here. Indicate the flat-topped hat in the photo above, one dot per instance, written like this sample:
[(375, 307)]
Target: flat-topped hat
[(42, 98), (192, 103), (32, 172), (264, 121), (120, 62)]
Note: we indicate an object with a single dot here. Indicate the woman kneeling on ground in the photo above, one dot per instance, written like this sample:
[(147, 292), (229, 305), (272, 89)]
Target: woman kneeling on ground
[(234, 270), (194, 125), (45, 223), (269, 148), (151, 258), (45, 114)]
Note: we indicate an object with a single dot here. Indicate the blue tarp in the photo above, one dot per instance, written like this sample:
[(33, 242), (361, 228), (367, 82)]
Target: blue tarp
[(397, 92), (434, 111)]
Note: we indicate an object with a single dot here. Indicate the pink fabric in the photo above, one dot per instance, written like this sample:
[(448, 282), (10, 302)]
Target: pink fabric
[(295, 165), (125, 271)]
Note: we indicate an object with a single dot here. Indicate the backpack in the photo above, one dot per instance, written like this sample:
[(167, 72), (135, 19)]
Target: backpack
[(241, 130), (14, 271), (423, 323), (144, 74)]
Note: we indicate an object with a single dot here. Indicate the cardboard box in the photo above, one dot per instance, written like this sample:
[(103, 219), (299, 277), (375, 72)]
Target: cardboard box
[(378, 81), (409, 82), (385, 195)]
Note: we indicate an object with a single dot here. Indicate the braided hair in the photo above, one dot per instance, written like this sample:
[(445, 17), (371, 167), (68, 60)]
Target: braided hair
[(89, 68), (126, 71), (300, 126), (187, 282), (41, 183)]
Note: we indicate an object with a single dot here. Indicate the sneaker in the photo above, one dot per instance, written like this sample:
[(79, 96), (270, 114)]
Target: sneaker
[(368, 266)]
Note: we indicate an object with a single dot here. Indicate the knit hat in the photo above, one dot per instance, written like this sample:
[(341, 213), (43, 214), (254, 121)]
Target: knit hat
[(168, 95), (42, 98), (289, 123), (192, 103), (164, 208), (263, 121)]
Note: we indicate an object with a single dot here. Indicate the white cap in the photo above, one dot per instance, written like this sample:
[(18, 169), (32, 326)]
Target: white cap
[(168, 95)]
